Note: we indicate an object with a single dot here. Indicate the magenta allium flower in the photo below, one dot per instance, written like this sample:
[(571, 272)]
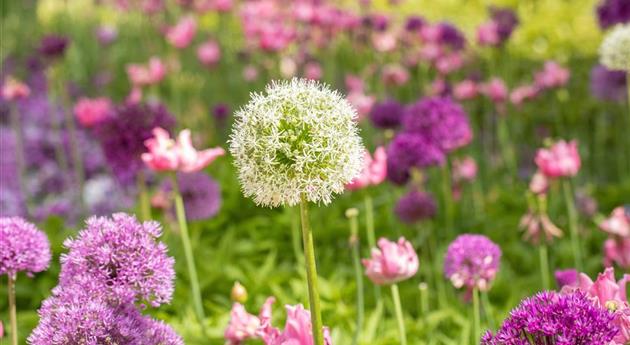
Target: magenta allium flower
[(120, 256), (618, 223), (611, 12), (472, 261), (562, 159), (391, 262), (415, 206), (209, 53), (411, 150), (568, 277), (22, 247), (180, 35), (552, 76), (298, 329), (90, 112), (506, 20), (374, 170), (13, 89), (387, 114), (243, 325), (550, 318), (608, 85), (201, 194)]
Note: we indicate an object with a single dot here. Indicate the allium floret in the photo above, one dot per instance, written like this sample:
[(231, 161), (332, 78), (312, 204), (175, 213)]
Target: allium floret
[(615, 49)]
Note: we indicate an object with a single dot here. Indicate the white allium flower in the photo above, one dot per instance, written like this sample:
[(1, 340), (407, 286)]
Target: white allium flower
[(299, 137), (615, 49)]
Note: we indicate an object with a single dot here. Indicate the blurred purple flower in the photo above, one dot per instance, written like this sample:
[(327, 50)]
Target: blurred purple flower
[(201, 194), (53, 46), (411, 150), (566, 277), (415, 206), (506, 20), (608, 85), (611, 12), (221, 111), (23, 247), (106, 34), (387, 114)]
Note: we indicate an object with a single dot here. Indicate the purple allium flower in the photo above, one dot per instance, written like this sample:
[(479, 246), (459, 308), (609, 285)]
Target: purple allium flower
[(611, 12), (121, 257), (472, 261), (156, 332), (441, 120), (387, 114), (451, 36), (53, 45), (414, 23), (22, 247), (106, 34), (415, 206), (221, 111), (122, 136), (409, 150), (377, 22), (566, 277), (550, 318), (608, 85), (506, 20), (201, 194)]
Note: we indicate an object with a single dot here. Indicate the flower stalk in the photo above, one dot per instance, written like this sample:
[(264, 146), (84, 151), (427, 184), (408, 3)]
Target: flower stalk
[(311, 273), (12, 310), (399, 315), (358, 274), (476, 317), (371, 234)]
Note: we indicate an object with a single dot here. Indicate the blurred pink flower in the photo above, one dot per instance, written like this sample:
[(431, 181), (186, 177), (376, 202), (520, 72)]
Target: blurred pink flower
[(362, 102), (152, 73), (562, 159), (488, 34), (553, 75), (523, 93), (135, 95), (430, 33), (166, 154), (539, 183), (250, 73), (90, 112), (384, 42), (464, 169), (618, 223), (391, 262), (297, 329), (466, 89), (449, 63), (354, 83), (496, 90), (374, 170), (617, 250), (313, 70), (223, 5), (13, 89), (430, 52), (180, 35), (394, 75), (209, 53), (243, 325), (538, 225)]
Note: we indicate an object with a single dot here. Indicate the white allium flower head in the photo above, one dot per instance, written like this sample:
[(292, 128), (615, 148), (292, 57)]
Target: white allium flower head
[(615, 49), (298, 137)]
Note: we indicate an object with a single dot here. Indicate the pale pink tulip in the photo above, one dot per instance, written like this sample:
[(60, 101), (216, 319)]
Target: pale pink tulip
[(391, 262), (209, 53), (141, 75), (553, 75), (313, 70), (250, 73), (363, 103), (449, 63), (180, 35), (560, 160), (90, 112), (464, 169), (617, 250), (297, 329), (13, 89), (191, 160), (243, 325), (496, 90), (523, 93), (374, 170), (488, 34), (539, 183), (162, 155), (384, 42), (394, 75), (354, 83), (618, 223), (466, 89)]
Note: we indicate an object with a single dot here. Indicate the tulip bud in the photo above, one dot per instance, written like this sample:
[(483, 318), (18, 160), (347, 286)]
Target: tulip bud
[(239, 293)]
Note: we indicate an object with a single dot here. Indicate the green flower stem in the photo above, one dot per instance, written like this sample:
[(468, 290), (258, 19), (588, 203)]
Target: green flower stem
[(544, 265), (190, 262), (487, 308), (439, 281), (573, 223), (16, 125), (311, 274), (506, 145), (476, 317), (12, 310), (295, 235), (143, 195), (424, 298), (371, 235), (447, 195), (358, 274), (399, 315)]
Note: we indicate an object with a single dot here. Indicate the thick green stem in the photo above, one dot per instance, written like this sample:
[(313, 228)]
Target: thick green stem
[(399, 315), (188, 252), (311, 274), (447, 196), (295, 235), (476, 317), (573, 224), (544, 265), (358, 274), (12, 310), (424, 299), (506, 145), (371, 235), (143, 195)]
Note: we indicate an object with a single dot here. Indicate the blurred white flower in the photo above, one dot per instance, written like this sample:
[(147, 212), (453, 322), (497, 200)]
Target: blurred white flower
[(615, 49)]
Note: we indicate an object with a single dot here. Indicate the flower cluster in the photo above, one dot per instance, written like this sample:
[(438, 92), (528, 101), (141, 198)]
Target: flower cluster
[(611, 12), (472, 261), (297, 140), (23, 248), (391, 262), (607, 84), (201, 195), (615, 49), (562, 159), (415, 206)]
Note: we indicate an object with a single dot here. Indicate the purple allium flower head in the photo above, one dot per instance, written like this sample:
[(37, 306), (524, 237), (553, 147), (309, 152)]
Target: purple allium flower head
[(414, 23), (221, 111), (387, 114), (451, 36), (415, 206), (472, 261), (409, 150), (551, 318), (441, 120), (121, 255), (53, 45), (122, 136), (156, 332), (506, 20), (608, 85), (22, 247), (201, 194), (566, 277), (611, 12)]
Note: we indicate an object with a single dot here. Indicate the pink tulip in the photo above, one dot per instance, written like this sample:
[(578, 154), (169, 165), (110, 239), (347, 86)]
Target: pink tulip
[(395, 75), (618, 223), (523, 93), (449, 63), (191, 160), (374, 170), (384, 42), (464, 169), (553, 75), (180, 35), (243, 325), (313, 70), (250, 73), (560, 160), (488, 34), (354, 83), (362, 102), (391, 262), (430, 52), (90, 112), (141, 75), (466, 89), (297, 329), (13, 89), (617, 250), (539, 183), (496, 90), (209, 53), (135, 95)]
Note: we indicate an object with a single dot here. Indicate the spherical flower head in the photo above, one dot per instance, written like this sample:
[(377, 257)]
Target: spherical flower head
[(391, 262), (121, 256), (22, 247), (441, 120), (415, 206), (411, 150), (506, 20), (472, 261), (156, 332), (297, 329), (611, 12), (565, 319), (608, 85), (568, 277), (53, 45), (298, 139), (614, 53), (201, 194), (387, 114), (562, 159)]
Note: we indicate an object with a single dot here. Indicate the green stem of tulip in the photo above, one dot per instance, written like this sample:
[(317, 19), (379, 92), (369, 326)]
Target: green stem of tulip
[(143, 195), (371, 235), (573, 223), (506, 145), (399, 315), (188, 252), (544, 265), (358, 274), (476, 317), (447, 195), (311, 274), (424, 299), (12, 310)]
